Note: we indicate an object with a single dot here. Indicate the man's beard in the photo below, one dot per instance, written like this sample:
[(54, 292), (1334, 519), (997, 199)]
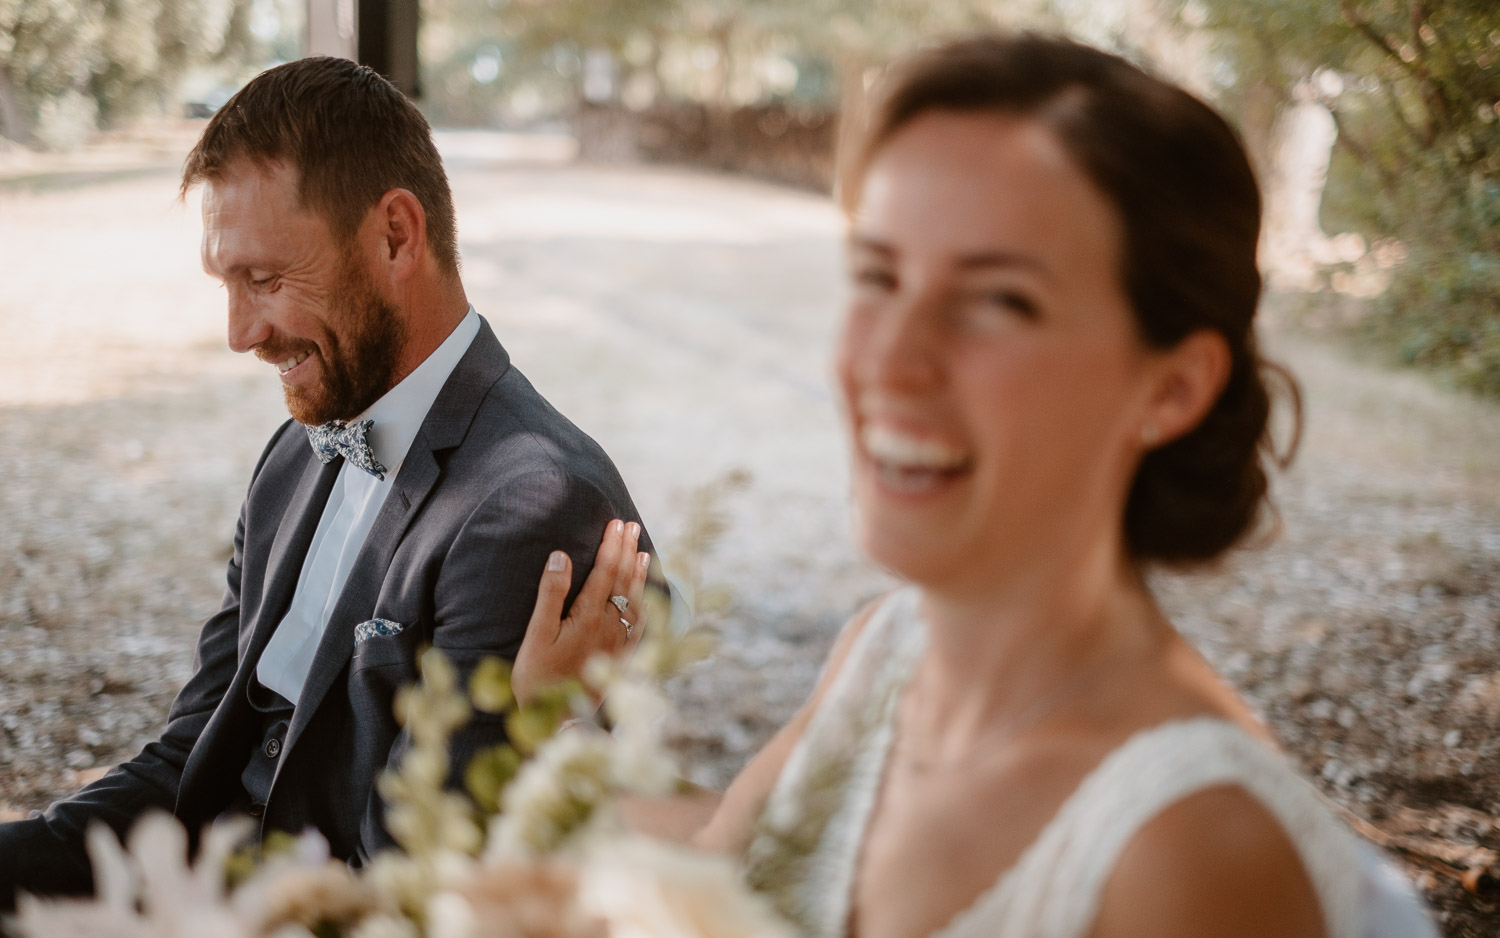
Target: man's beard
[(358, 355)]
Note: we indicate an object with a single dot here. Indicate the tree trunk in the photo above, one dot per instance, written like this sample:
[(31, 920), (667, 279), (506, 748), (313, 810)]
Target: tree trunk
[(723, 34), (15, 122), (1260, 111), (237, 40)]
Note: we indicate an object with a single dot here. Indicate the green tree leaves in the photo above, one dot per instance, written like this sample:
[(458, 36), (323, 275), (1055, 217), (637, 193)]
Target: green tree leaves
[(1416, 97)]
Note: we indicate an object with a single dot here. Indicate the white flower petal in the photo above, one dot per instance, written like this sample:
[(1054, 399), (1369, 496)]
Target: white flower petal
[(647, 889), (114, 880)]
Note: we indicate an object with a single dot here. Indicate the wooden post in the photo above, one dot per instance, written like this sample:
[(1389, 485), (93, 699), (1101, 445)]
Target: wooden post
[(388, 41), (379, 33)]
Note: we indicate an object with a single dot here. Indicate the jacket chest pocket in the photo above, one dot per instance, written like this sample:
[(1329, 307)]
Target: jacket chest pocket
[(382, 643)]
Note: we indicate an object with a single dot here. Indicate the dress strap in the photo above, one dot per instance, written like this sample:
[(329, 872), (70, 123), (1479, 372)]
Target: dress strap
[(802, 853), (1055, 888)]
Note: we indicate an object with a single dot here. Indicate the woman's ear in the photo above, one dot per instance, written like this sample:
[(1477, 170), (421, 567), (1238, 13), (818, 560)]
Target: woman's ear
[(1189, 378)]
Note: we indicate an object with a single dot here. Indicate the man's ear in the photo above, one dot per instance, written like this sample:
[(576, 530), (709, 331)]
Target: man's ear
[(402, 229), (1189, 378)]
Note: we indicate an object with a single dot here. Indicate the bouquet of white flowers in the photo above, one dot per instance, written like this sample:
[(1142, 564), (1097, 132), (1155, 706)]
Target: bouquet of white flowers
[(535, 849)]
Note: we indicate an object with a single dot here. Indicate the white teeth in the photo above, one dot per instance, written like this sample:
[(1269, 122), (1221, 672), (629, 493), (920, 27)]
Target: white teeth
[(912, 482), (909, 453), (291, 363)]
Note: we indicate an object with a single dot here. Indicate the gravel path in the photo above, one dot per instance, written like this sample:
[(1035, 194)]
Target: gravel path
[(685, 319)]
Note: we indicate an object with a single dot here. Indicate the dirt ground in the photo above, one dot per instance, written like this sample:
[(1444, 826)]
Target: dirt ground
[(684, 320)]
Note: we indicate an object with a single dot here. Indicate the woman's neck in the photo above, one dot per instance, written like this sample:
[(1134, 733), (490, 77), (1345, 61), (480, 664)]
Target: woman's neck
[(1003, 649)]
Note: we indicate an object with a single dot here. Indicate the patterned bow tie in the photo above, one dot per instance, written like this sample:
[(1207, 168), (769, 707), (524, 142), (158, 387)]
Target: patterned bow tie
[(337, 438)]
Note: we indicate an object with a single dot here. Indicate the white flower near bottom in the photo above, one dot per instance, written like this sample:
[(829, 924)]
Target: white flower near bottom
[(175, 901), (150, 891), (385, 926), (557, 862), (644, 888), (641, 761), (534, 897)]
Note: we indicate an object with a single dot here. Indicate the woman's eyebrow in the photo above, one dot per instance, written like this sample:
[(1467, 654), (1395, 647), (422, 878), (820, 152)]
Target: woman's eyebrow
[(980, 259), (865, 243), (1006, 259)]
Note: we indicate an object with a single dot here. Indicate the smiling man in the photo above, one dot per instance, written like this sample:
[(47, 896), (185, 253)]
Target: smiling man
[(413, 500)]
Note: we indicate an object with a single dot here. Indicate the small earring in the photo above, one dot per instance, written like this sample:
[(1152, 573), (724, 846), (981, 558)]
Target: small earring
[(1150, 435)]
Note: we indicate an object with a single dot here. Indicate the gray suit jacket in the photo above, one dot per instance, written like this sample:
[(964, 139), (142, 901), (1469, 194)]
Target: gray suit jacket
[(495, 481)]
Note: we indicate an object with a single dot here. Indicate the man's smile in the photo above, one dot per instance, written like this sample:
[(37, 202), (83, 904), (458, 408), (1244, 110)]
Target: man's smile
[(287, 362), (286, 366)]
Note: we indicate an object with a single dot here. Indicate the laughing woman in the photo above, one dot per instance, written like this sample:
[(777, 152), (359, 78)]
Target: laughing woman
[(1052, 385)]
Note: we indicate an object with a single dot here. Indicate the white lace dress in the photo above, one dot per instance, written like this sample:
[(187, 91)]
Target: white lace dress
[(808, 840)]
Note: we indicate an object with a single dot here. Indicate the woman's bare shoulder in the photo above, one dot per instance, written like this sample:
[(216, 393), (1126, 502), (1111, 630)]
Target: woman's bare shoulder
[(1215, 863)]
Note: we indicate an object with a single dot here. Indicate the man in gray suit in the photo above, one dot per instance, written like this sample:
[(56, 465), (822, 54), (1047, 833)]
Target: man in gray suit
[(413, 500)]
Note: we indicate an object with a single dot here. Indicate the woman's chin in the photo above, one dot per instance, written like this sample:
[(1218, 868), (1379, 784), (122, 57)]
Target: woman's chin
[(916, 553)]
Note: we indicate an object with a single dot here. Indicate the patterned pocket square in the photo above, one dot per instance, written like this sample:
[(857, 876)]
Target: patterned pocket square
[(368, 630)]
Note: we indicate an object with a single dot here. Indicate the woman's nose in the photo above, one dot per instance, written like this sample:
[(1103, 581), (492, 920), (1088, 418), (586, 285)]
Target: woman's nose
[(904, 349)]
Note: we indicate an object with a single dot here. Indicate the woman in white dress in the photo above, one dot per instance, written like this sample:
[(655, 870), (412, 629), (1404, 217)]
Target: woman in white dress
[(1052, 384)]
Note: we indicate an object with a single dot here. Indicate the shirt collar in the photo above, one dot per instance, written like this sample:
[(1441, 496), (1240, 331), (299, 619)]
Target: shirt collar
[(399, 413)]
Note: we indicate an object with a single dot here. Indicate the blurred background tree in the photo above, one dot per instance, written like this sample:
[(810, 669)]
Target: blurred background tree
[(1412, 87), (521, 60), (43, 45), (1414, 90), (68, 67)]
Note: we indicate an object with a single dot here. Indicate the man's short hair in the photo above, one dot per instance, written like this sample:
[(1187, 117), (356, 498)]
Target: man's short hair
[(351, 136)]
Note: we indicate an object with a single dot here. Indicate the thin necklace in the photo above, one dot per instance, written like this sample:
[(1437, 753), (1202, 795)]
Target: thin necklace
[(1030, 715)]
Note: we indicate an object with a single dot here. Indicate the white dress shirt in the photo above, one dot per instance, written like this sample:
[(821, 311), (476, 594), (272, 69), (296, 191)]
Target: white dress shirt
[(350, 512)]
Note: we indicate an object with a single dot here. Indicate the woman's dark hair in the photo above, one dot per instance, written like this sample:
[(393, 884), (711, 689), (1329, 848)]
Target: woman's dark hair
[(1190, 211)]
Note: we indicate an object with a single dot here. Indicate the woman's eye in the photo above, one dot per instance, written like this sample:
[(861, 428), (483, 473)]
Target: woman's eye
[(1013, 301), (983, 310), (874, 278)]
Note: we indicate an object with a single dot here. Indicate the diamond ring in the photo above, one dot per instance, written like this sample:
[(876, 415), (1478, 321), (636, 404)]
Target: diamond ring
[(621, 603)]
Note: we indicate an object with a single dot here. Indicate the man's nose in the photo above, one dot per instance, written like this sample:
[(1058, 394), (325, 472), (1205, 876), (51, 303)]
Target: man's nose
[(247, 328)]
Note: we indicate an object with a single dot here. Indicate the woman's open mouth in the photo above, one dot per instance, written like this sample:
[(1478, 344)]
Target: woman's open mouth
[(908, 464)]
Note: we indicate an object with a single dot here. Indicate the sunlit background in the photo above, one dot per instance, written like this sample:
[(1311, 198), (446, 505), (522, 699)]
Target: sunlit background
[(642, 191)]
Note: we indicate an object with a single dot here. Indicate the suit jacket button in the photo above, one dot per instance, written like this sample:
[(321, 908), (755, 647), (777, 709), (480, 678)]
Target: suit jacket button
[(256, 810), (273, 748)]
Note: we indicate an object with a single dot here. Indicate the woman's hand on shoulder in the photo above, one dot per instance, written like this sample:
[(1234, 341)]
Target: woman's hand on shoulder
[(1216, 863), (557, 647)]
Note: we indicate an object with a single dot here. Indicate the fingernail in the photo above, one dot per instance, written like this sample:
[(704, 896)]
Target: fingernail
[(557, 561), (644, 560), (635, 529), (615, 527)]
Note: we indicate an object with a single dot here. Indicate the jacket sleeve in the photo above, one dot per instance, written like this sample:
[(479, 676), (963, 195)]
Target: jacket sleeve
[(45, 853), (487, 587)]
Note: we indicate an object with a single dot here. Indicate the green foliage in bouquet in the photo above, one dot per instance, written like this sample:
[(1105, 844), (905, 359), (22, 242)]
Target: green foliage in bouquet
[(534, 848)]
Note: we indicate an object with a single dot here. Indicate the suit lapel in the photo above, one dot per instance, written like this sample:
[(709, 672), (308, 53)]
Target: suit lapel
[(283, 568), (444, 428), (356, 603)]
